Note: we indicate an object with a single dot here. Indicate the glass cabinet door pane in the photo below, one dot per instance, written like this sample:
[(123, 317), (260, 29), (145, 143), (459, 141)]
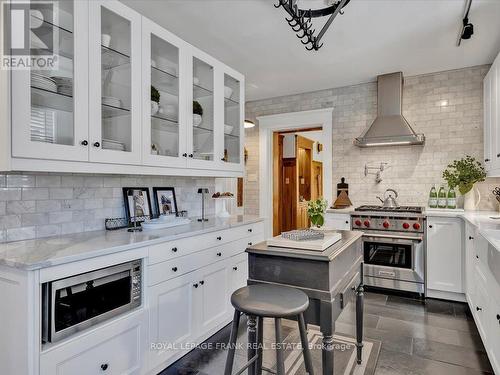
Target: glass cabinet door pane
[(164, 98), (52, 114), (115, 82), (203, 110), (232, 120)]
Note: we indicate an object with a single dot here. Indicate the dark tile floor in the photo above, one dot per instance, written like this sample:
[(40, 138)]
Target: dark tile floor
[(435, 338)]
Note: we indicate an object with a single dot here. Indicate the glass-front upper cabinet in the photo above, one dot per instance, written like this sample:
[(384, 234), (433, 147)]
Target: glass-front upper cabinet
[(46, 123), (164, 100), (233, 119), (203, 130), (115, 83)]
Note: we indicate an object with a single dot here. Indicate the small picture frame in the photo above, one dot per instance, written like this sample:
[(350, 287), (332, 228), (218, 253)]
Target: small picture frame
[(165, 201), (142, 202)]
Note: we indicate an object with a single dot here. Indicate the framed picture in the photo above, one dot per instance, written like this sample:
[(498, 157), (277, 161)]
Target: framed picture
[(165, 201), (137, 197)]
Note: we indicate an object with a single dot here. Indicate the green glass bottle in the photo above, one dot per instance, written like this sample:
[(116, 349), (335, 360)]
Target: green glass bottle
[(452, 199), (433, 198), (442, 197)]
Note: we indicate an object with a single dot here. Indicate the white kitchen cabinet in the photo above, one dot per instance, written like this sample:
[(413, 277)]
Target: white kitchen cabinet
[(470, 260), (238, 272), (117, 348), (163, 124), (491, 102), (338, 221), (172, 316), (50, 107), (115, 83), (445, 255)]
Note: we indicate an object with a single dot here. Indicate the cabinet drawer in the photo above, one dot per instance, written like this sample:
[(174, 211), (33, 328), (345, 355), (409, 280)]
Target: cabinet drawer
[(116, 349), (184, 246)]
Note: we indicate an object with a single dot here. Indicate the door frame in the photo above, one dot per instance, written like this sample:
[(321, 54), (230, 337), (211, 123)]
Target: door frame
[(290, 121)]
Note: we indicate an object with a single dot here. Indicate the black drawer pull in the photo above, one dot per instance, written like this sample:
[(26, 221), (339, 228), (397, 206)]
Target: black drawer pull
[(191, 155), (250, 230), (477, 256), (498, 155), (471, 238), (250, 243), (195, 285), (347, 221), (174, 249), (486, 160), (479, 308), (236, 269), (430, 226), (219, 254), (498, 317), (219, 238), (104, 366), (174, 269), (84, 142), (202, 282), (97, 144), (185, 155)]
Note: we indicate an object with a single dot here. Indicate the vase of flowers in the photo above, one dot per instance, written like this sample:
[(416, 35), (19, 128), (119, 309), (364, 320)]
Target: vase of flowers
[(316, 212), (464, 173)]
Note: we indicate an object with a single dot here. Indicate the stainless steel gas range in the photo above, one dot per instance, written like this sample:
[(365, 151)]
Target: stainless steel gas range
[(393, 245)]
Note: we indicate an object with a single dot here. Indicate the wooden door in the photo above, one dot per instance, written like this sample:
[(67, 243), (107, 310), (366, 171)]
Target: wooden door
[(277, 183), (317, 180), (289, 198)]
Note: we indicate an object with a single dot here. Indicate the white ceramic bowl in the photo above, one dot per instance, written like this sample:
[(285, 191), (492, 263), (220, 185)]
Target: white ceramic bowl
[(228, 91), (197, 119), (154, 107), (228, 129)]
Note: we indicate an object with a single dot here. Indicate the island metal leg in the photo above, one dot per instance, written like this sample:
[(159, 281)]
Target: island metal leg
[(327, 327), (252, 340), (359, 317)]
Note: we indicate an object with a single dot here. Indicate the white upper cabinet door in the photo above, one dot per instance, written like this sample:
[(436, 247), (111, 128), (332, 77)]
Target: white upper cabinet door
[(234, 116), (163, 97), (445, 254), (487, 103), (50, 107), (204, 109), (115, 83), (495, 114)]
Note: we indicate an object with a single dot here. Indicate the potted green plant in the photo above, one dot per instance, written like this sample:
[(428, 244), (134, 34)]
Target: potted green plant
[(197, 113), (464, 173), (316, 212), (155, 100)]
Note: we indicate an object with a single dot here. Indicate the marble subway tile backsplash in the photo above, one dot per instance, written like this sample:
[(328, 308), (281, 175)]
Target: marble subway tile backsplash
[(42, 205)]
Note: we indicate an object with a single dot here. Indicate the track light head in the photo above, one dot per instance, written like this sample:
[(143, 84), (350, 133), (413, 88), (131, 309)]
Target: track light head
[(467, 30)]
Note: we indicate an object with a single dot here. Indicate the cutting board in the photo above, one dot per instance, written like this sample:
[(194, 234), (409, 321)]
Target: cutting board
[(313, 245)]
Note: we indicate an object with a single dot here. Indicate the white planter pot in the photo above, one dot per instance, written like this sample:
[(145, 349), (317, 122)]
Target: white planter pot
[(472, 199), (197, 119), (154, 108)]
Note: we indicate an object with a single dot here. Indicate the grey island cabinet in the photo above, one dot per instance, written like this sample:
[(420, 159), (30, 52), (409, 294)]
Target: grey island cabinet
[(331, 278)]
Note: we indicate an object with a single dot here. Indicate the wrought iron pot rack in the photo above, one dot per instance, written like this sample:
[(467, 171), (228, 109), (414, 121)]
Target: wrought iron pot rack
[(301, 20)]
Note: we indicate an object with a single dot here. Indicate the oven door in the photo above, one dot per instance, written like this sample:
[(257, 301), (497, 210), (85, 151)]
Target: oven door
[(78, 302), (394, 257)]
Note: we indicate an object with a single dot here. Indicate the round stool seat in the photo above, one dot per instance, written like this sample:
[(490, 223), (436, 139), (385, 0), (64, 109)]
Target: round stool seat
[(271, 301)]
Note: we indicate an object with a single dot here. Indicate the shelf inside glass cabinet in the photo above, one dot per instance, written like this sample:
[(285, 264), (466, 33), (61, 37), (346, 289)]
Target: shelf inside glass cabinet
[(65, 38), (111, 58), (201, 92), (164, 81), (109, 111), (50, 99)]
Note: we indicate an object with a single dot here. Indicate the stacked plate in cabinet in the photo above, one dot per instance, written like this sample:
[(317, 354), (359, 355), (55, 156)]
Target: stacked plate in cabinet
[(42, 82), (110, 144), (64, 85)]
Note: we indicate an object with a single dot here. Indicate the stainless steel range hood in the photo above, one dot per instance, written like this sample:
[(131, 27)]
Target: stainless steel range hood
[(390, 128)]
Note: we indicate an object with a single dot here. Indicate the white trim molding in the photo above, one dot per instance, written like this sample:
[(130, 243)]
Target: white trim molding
[(289, 121)]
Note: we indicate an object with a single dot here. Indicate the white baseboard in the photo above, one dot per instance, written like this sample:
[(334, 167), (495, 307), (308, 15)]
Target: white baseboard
[(450, 296)]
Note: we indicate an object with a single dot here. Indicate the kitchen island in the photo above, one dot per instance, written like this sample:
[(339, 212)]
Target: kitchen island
[(330, 278)]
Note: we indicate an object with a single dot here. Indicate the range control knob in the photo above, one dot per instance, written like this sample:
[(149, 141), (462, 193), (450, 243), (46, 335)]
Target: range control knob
[(367, 224), (358, 223), (386, 224), (416, 226), (406, 225)]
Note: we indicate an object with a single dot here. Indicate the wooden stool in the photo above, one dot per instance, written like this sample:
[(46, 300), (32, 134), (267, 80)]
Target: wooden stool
[(267, 301)]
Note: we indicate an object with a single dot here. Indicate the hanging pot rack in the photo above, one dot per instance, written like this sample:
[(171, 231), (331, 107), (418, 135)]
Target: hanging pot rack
[(301, 20)]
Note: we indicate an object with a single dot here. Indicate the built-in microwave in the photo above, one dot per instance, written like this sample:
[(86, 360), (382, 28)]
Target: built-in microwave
[(78, 302)]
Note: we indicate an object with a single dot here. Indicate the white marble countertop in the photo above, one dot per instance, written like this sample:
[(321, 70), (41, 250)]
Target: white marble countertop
[(51, 251)]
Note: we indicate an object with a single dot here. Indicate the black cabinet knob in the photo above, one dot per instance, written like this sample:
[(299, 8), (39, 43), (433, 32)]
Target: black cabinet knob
[(250, 244), (498, 155), (185, 155), (219, 238), (84, 142), (219, 254), (202, 282), (236, 269), (486, 160), (174, 249), (479, 308), (191, 155), (250, 230), (174, 269), (498, 317), (104, 366), (477, 256), (347, 221), (97, 144), (430, 226), (195, 285), (223, 159), (471, 238)]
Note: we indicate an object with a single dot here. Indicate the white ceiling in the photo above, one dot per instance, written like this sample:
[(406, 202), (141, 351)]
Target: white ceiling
[(371, 38)]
